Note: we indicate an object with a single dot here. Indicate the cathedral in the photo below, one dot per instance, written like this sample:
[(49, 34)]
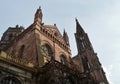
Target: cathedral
[(40, 54)]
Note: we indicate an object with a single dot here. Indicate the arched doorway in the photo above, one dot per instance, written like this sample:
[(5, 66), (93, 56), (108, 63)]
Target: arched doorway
[(10, 80)]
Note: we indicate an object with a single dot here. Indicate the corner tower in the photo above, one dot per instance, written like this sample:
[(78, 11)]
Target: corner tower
[(9, 35), (87, 60)]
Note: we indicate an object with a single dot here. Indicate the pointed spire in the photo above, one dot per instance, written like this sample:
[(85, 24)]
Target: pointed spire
[(39, 10), (64, 32), (39, 7), (78, 26), (38, 16), (65, 36)]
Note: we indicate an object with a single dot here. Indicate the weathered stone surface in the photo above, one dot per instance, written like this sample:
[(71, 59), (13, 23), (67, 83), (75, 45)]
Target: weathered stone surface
[(39, 54)]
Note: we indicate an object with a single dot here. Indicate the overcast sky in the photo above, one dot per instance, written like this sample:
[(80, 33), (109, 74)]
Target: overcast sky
[(99, 18)]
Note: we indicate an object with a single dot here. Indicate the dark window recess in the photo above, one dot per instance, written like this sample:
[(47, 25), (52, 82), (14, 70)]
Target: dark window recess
[(86, 64), (63, 59), (21, 51), (55, 34), (10, 37)]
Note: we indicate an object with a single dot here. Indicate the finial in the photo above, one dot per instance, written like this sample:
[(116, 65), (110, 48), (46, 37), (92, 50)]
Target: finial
[(54, 24), (40, 7), (17, 26), (64, 31), (76, 19)]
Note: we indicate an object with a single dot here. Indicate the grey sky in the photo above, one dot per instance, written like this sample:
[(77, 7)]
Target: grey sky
[(99, 18)]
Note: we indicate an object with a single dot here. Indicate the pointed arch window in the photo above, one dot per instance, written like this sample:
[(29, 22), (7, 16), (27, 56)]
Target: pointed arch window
[(10, 37), (81, 38), (10, 80), (86, 63), (63, 59), (46, 50), (83, 45), (0, 73), (21, 51)]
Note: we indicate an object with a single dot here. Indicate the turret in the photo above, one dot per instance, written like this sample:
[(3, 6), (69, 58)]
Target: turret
[(38, 16), (9, 35), (66, 38)]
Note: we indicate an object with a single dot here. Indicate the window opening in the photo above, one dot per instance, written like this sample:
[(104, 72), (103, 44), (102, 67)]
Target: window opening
[(10, 37), (63, 59), (46, 50), (21, 51)]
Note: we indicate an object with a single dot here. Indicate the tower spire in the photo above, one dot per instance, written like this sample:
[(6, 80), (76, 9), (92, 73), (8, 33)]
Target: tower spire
[(78, 26), (82, 39), (40, 7)]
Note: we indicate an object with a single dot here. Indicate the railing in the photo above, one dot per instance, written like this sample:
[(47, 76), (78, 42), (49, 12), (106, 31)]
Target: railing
[(59, 41), (17, 60)]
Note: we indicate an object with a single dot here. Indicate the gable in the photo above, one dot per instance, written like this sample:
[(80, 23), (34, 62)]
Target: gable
[(54, 31)]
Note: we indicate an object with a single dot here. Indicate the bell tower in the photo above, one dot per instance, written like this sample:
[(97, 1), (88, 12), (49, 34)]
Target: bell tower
[(88, 58)]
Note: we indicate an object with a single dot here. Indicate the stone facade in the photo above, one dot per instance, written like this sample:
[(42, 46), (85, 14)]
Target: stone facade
[(15, 70), (41, 54)]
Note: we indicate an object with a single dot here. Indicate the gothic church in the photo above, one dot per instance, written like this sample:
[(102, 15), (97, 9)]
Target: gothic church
[(40, 54)]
